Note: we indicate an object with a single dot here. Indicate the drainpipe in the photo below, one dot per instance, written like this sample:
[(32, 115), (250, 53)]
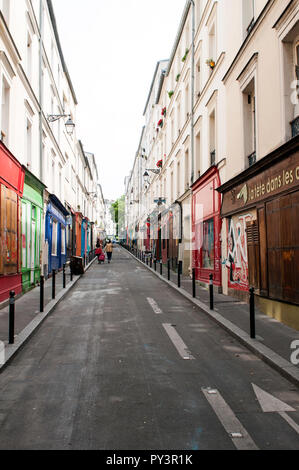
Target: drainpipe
[(41, 163), (192, 90), (41, 27)]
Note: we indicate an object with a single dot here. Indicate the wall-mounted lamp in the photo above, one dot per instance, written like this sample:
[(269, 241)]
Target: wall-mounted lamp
[(155, 171), (69, 125)]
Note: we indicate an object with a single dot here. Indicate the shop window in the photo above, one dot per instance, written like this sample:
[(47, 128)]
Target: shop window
[(54, 238), (208, 244), (8, 232), (63, 247)]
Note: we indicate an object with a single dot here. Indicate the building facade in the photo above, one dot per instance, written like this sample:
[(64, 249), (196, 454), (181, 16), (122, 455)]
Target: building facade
[(224, 123), (37, 126)]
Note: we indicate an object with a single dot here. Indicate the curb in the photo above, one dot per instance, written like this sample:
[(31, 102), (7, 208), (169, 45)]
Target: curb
[(281, 365), (22, 338)]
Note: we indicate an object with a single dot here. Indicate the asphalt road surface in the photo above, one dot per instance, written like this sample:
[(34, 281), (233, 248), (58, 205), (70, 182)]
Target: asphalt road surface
[(125, 362)]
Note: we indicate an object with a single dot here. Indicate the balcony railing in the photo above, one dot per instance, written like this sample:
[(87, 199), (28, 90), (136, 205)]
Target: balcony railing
[(295, 126), (252, 158), (213, 157)]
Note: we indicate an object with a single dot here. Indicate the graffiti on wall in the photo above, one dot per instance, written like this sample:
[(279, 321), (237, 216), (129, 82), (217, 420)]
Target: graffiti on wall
[(237, 262)]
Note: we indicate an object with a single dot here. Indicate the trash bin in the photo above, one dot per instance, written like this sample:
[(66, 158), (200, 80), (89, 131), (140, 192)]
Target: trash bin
[(77, 265)]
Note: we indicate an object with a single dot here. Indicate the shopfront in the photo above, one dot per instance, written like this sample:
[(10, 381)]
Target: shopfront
[(11, 190), (261, 210), (55, 233), (31, 230), (206, 227)]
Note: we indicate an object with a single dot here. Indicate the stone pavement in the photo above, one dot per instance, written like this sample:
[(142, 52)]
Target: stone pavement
[(273, 339)]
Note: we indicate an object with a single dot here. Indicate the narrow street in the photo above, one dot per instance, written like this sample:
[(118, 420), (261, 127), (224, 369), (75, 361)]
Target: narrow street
[(125, 362)]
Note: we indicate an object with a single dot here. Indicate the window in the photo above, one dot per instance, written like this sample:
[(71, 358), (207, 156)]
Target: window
[(248, 16), (212, 45), (212, 131), (178, 179), (63, 251), (197, 155), (8, 231), (54, 238), (5, 111), (29, 143), (295, 121), (198, 77), (4, 5), (29, 57), (208, 244), (249, 123)]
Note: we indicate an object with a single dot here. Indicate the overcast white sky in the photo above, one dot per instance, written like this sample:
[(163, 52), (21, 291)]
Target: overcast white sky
[(111, 48)]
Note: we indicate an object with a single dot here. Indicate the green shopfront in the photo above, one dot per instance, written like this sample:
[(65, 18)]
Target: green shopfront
[(31, 226)]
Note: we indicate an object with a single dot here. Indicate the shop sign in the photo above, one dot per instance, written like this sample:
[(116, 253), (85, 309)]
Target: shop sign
[(277, 179)]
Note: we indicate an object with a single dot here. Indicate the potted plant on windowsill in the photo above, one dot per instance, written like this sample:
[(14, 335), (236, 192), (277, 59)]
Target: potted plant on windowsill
[(170, 93), (160, 163), (185, 56), (177, 77), (160, 123), (211, 63), (164, 111)]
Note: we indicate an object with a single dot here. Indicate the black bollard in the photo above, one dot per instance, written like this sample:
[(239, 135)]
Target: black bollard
[(179, 273), (161, 268), (252, 312), (41, 300), (211, 292), (11, 317), (151, 262), (71, 269), (168, 269), (193, 283), (53, 283), (63, 277), (155, 264)]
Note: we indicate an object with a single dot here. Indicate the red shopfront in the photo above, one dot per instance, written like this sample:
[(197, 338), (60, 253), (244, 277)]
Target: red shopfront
[(206, 227), (12, 177)]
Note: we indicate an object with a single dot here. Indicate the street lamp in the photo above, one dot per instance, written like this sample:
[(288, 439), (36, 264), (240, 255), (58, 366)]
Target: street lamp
[(153, 170), (69, 125)]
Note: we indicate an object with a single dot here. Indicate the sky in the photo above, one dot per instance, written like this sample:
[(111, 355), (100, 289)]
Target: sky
[(111, 48)]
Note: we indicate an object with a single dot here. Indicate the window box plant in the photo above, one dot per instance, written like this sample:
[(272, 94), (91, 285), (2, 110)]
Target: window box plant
[(160, 123), (185, 56), (164, 111), (211, 63), (170, 93), (177, 77), (160, 163)]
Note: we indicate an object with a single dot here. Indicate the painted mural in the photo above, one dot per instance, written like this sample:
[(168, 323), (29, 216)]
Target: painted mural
[(237, 262)]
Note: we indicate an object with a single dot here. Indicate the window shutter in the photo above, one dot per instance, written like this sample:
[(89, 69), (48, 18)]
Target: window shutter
[(253, 251)]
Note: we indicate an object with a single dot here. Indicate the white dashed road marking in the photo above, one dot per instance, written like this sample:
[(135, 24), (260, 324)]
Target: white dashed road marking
[(177, 341), (154, 305)]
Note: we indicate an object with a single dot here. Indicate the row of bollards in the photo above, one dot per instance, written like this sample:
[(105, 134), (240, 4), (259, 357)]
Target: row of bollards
[(153, 262), (11, 327)]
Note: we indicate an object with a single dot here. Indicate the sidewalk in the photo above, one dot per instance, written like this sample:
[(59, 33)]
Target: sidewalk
[(273, 339), (27, 311)]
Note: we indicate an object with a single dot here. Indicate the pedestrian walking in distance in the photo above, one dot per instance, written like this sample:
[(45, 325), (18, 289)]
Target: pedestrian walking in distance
[(109, 250)]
